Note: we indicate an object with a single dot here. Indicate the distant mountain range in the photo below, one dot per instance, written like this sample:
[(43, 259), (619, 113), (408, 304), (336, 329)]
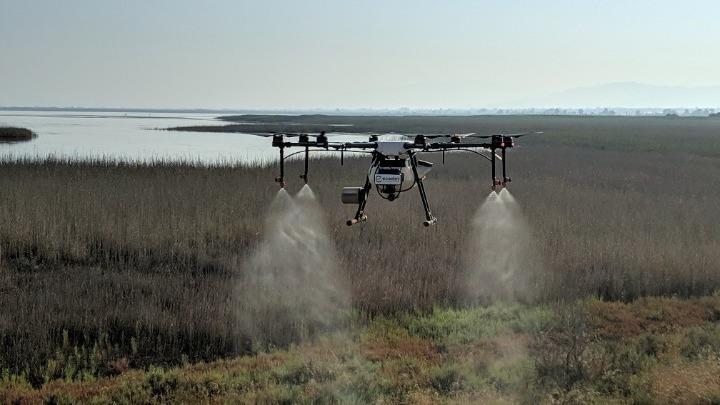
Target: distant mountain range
[(627, 95), (623, 95)]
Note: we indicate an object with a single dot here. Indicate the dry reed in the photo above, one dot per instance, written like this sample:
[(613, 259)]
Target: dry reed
[(102, 261)]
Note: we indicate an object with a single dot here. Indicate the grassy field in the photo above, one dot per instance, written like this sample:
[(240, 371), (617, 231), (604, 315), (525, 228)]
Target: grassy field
[(119, 280), (654, 350)]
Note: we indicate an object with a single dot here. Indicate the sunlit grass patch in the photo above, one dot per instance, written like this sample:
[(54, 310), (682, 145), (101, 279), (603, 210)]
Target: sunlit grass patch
[(687, 382), (452, 326), (380, 360)]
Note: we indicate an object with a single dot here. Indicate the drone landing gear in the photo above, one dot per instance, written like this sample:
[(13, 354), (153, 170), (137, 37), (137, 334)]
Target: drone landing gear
[(429, 218), (353, 221), (362, 199)]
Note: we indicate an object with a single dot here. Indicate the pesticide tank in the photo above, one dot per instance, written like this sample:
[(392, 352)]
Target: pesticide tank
[(352, 195), (423, 168)]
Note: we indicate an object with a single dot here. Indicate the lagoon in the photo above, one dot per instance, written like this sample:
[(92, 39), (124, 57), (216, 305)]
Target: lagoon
[(131, 136)]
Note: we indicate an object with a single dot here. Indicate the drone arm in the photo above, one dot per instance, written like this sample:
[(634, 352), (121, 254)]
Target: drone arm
[(444, 146), (429, 218), (360, 214), (304, 176)]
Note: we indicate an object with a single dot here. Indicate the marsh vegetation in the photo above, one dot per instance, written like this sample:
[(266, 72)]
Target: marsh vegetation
[(111, 266), (15, 134)]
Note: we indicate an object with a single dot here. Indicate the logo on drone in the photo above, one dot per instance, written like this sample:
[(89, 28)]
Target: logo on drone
[(389, 179)]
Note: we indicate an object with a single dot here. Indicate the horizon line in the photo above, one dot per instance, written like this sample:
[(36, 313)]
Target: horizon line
[(345, 109)]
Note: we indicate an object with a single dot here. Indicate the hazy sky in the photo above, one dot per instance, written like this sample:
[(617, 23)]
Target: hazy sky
[(345, 54)]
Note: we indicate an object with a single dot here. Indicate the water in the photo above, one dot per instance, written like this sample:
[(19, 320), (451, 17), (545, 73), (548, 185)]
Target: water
[(132, 136), (502, 261), (291, 287)]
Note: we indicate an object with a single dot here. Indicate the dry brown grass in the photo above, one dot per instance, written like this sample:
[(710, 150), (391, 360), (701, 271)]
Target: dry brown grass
[(652, 315), (393, 360), (687, 383), (142, 260)]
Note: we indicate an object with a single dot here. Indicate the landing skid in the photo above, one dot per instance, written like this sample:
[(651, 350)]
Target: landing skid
[(429, 218)]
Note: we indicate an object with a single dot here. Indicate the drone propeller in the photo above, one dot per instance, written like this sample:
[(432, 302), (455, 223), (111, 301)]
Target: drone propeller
[(434, 136), (270, 134), (293, 134), (454, 138), (465, 135), (518, 135), (524, 134)]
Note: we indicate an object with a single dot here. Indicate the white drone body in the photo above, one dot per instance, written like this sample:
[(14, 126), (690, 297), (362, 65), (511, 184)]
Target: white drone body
[(393, 171)]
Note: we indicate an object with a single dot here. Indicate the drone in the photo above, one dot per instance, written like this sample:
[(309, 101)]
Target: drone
[(395, 167)]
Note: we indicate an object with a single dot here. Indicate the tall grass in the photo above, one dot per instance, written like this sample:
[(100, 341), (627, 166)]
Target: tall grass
[(106, 265)]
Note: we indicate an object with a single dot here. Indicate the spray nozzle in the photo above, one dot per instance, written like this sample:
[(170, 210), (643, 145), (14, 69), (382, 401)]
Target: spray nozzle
[(353, 221)]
